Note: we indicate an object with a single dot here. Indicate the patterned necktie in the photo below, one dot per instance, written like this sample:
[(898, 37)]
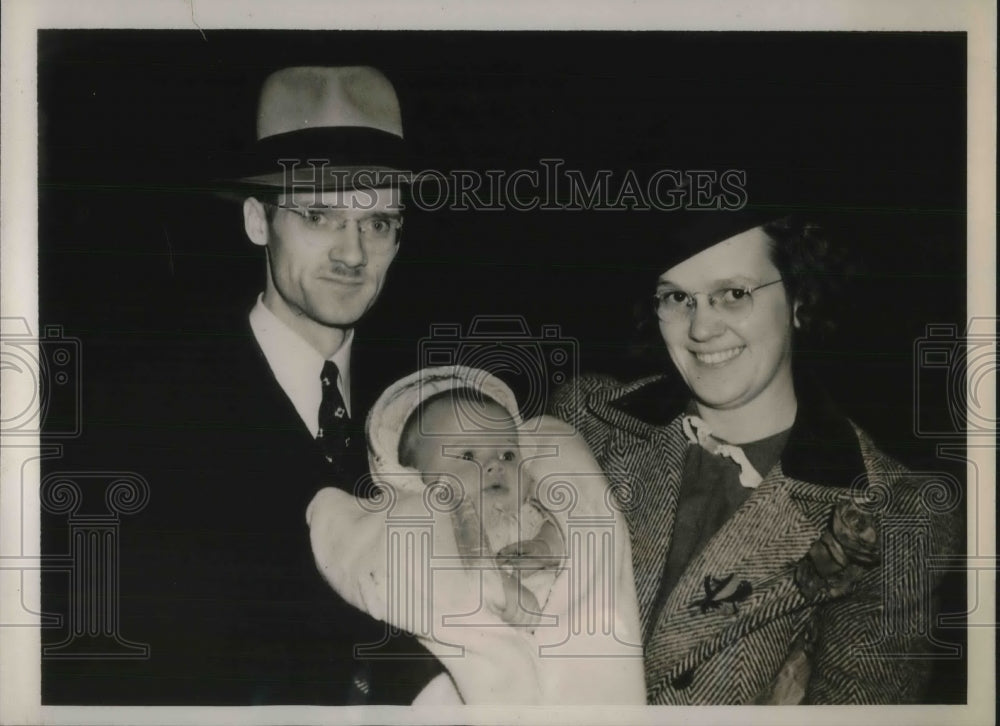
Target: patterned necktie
[(334, 434)]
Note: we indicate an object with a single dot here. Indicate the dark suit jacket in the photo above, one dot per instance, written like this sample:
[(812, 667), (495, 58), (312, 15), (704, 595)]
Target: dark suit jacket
[(773, 643), (216, 573)]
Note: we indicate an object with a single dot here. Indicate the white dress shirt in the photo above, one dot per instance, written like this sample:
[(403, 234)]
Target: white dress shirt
[(297, 365)]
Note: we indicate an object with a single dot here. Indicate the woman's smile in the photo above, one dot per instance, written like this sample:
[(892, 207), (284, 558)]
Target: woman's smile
[(718, 358)]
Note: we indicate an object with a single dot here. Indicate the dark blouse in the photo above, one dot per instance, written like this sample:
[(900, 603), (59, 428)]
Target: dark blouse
[(710, 493)]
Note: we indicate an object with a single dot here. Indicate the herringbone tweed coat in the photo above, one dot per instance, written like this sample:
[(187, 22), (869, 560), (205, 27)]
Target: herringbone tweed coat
[(774, 645)]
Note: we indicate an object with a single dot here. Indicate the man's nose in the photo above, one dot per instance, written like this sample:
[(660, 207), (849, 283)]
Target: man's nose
[(347, 247), (706, 322)]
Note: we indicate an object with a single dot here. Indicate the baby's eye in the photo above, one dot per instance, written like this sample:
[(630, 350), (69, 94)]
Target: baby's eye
[(508, 456)]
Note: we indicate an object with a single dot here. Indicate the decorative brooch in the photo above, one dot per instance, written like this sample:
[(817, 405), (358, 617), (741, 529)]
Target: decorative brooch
[(723, 591), (847, 549)]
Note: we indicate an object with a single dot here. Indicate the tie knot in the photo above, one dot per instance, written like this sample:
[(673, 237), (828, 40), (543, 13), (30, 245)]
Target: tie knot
[(330, 374)]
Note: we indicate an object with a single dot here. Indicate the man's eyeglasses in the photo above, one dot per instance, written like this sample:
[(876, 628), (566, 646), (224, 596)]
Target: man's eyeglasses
[(378, 229), (732, 303)]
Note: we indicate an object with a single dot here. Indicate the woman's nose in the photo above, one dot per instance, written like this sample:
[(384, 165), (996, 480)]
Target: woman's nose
[(705, 322)]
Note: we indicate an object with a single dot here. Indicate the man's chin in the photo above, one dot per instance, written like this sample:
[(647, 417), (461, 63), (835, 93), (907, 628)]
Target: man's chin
[(342, 321), (344, 313)]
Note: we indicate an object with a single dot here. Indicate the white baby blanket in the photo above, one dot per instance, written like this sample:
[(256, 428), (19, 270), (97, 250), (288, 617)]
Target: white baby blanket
[(396, 557)]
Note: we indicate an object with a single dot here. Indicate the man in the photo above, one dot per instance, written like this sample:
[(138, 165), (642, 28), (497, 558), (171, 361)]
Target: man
[(235, 431)]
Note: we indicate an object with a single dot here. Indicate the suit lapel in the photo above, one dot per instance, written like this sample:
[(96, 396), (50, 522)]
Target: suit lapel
[(271, 431), (271, 404)]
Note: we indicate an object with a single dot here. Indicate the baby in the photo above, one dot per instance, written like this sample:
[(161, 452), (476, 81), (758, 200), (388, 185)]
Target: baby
[(464, 437), (459, 428)]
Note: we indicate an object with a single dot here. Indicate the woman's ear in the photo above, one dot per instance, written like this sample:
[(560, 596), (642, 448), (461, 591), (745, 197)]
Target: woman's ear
[(255, 221), (795, 315)]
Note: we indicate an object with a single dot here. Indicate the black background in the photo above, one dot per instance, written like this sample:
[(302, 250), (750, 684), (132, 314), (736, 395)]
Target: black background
[(135, 125)]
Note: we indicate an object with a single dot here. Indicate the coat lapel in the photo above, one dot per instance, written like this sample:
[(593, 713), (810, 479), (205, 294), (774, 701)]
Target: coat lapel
[(643, 461), (652, 507), (759, 545), (756, 552)]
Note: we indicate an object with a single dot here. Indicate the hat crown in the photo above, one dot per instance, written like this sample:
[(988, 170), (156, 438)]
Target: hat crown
[(308, 97)]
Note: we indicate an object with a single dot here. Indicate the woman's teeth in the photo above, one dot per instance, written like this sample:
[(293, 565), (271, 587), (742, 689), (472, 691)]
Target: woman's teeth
[(721, 356)]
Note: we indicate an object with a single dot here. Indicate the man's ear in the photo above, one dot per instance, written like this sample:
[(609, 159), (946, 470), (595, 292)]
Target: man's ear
[(255, 221), (795, 316)]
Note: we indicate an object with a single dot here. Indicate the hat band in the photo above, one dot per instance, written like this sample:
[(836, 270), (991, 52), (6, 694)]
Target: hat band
[(343, 147)]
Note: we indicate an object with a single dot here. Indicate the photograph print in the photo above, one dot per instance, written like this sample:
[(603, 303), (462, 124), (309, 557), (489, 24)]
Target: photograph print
[(556, 368)]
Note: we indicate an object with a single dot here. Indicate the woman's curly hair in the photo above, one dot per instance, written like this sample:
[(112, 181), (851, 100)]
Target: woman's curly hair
[(813, 268)]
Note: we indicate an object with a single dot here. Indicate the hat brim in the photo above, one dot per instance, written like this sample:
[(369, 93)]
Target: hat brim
[(321, 159), (328, 178)]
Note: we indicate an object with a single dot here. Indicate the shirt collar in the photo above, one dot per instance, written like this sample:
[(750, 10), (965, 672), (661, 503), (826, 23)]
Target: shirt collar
[(296, 365)]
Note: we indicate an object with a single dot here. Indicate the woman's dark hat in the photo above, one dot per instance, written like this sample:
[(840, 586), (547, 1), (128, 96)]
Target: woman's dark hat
[(697, 231), (324, 128), (685, 232)]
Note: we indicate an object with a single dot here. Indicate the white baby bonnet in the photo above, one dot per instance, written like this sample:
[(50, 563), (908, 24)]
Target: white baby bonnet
[(392, 409)]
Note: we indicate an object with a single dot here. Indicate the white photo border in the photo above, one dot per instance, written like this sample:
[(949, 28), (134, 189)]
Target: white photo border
[(19, 662)]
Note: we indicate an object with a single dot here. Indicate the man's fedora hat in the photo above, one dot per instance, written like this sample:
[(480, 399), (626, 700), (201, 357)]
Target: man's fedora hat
[(324, 127)]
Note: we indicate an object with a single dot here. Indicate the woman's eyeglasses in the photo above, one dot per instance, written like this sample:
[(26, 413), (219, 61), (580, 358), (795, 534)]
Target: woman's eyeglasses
[(732, 303)]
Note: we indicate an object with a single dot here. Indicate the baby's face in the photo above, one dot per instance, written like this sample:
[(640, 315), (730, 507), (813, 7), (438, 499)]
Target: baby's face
[(485, 460)]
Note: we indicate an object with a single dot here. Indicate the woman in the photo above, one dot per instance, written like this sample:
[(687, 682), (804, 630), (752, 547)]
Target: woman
[(779, 556)]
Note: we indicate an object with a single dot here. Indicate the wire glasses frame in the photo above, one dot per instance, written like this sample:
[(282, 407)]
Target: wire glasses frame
[(379, 229), (733, 303)]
